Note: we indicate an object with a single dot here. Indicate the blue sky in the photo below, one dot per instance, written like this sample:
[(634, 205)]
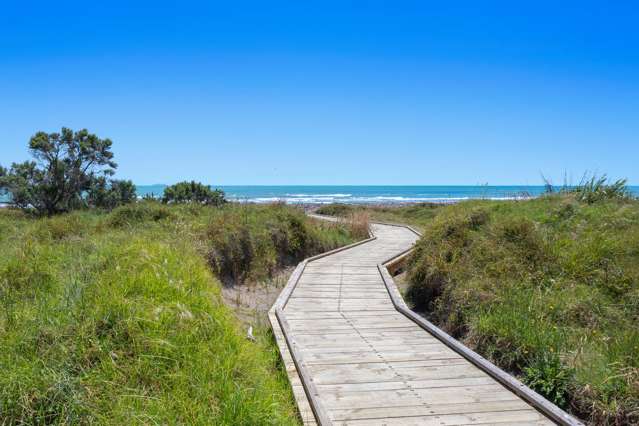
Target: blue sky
[(330, 92)]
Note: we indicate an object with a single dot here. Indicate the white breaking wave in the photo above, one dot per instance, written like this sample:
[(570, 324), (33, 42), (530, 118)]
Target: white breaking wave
[(359, 200), (319, 195), (350, 199)]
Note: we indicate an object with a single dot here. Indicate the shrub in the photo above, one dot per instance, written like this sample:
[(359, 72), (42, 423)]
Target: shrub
[(193, 192), (110, 194)]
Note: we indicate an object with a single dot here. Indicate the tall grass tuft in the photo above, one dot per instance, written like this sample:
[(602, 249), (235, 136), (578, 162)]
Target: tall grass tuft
[(359, 224), (594, 189)]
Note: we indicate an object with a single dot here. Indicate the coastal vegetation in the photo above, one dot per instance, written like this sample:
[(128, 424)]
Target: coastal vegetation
[(111, 308), (546, 288), (117, 317), (70, 170), (193, 192)]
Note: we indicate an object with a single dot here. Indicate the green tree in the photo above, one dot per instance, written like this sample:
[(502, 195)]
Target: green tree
[(66, 166), (110, 194), (186, 192)]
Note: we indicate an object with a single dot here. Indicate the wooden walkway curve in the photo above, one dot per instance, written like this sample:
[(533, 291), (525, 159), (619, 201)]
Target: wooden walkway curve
[(356, 356)]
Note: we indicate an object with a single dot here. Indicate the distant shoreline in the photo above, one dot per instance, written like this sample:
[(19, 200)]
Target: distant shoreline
[(365, 194)]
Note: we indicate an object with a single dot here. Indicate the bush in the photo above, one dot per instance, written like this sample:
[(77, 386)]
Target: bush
[(193, 192), (110, 194)]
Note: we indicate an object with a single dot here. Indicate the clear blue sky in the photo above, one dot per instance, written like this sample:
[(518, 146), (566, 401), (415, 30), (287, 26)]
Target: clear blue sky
[(330, 92)]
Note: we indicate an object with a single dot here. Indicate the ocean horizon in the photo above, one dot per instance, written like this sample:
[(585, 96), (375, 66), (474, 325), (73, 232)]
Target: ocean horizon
[(365, 194), (368, 194)]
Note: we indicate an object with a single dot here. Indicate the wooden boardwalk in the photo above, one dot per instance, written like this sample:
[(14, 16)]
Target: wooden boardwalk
[(354, 359)]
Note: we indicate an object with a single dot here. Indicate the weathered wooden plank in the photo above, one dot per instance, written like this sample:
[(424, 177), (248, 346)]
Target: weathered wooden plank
[(426, 410), (363, 373), (528, 416), (373, 339), (374, 357), (407, 384), (391, 398), (357, 321), (356, 345), (337, 295), (353, 356), (389, 313), (387, 330)]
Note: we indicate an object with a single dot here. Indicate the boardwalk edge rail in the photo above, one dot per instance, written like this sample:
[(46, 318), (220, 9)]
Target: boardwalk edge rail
[(319, 411), (530, 396)]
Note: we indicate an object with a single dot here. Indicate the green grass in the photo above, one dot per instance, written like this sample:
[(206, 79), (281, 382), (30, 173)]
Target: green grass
[(117, 318), (547, 289)]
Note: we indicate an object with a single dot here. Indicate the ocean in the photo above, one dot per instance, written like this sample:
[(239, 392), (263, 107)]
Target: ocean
[(368, 194), (365, 194)]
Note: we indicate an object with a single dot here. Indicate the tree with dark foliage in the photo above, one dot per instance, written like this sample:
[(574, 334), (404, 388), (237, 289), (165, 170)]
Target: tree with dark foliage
[(110, 194), (186, 192), (67, 167)]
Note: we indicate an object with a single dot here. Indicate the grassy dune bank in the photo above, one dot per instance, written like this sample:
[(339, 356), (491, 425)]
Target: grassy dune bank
[(117, 318), (547, 289)]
